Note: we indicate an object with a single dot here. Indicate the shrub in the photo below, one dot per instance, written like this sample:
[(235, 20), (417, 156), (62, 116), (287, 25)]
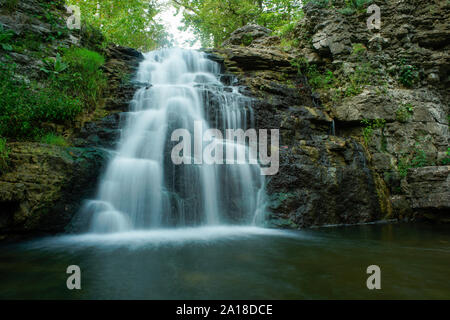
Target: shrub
[(54, 139), (24, 107), (54, 66), (84, 77), (408, 75)]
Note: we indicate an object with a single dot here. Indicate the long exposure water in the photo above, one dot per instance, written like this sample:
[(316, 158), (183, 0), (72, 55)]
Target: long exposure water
[(142, 188), (234, 263), (161, 231)]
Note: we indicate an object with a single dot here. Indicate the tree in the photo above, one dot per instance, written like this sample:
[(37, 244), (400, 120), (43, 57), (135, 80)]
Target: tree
[(128, 23), (214, 20)]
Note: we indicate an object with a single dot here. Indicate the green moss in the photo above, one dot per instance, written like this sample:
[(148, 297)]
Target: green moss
[(4, 155), (54, 139), (405, 112)]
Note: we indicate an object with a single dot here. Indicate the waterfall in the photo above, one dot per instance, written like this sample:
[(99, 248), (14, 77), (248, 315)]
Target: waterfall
[(142, 188)]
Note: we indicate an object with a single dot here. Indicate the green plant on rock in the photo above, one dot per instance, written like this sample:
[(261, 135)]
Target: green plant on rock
[(359, 49), (357, 4), (54, 139), (446, 160), (403, 166), (405, 112), (54, 66), (317, 79), (25, 106), (347, 11), (5, 38), (364, 75), (408, 74), (4, 155), (84, 77), (247, 40), (369, 126), (416, 158)]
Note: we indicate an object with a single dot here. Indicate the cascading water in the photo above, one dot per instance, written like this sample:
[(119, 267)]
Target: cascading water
[(142, 187)]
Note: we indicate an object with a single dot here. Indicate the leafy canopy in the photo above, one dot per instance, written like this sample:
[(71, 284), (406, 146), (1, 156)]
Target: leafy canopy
[(214, 20), (129, 23)]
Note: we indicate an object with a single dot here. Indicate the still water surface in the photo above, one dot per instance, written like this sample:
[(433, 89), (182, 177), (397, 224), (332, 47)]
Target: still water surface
[(234, 263)]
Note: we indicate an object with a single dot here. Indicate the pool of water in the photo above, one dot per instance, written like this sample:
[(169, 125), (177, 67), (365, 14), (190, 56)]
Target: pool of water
[(234, 263)]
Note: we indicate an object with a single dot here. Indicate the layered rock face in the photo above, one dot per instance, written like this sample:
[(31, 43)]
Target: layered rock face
[(45, 185), (323, 178), (370, 141)]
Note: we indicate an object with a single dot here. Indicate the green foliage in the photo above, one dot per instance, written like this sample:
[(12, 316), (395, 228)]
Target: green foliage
[(359, 50), (405, 112), (4, 155), (92, 37), (347, 11), (446, 160), (25, 106), (214, 20), (364, 75), (416, 158), (369, 126), (403, 166), (54, 139), (55, 20), (408, 74), (317, 79), (84, 77), (357, 4), (247, 40), (54, 66), (129, 23), (6, 38)]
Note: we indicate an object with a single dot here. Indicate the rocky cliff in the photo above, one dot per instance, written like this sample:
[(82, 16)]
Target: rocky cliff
[(363, 113), (363, 116), (43, 185)]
